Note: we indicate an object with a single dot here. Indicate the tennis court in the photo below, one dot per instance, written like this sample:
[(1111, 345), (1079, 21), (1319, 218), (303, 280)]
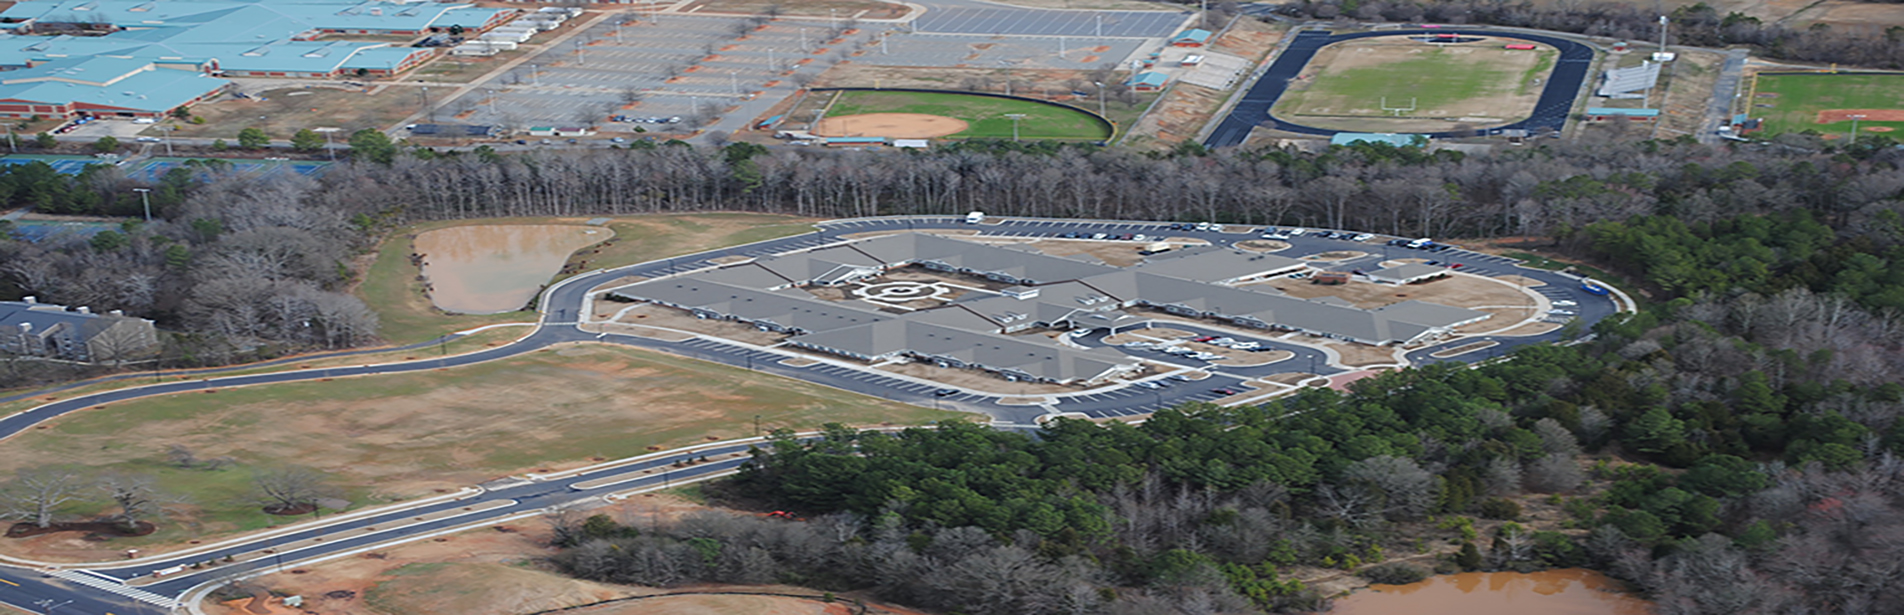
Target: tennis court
[(70, 165), (153, 169)]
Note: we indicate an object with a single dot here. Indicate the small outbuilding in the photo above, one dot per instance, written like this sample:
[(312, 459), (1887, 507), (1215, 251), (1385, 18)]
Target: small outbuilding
[(1148, 81), (1195, 37)]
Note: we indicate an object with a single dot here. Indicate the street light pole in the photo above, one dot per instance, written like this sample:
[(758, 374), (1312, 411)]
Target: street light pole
[(145, 195)]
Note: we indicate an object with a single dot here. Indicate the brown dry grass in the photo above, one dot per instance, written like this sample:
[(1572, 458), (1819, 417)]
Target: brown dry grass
[(397, 437), (1693, 76), (282, 114), (1360, 355)]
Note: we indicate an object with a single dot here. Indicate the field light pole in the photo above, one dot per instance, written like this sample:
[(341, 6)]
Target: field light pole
[(145, 196), (1100, 98), (1854, 128), (1014, 118), (327, 140), (535, 76)]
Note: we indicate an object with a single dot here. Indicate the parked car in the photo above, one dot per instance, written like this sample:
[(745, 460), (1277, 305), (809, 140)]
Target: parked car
[(1362, 237)]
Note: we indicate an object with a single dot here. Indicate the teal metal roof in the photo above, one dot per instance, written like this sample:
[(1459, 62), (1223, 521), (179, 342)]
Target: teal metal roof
[(1397, 140), (112, 82), (1152, 78), (1624, 112), (240, 35), (1197, 35)]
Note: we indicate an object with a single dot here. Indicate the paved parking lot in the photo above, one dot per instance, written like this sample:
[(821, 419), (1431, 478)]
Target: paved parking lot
[(588, 76), (1138, 24), (984, 51)]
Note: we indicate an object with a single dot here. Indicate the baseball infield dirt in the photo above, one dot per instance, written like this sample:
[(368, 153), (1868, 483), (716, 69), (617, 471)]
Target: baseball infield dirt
[(894, 125), (1832, 116)]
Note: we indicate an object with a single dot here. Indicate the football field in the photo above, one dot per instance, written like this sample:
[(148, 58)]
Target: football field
[(1399, 85)]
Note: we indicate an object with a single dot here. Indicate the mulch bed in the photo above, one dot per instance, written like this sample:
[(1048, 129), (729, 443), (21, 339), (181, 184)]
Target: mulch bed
[(102, 529)]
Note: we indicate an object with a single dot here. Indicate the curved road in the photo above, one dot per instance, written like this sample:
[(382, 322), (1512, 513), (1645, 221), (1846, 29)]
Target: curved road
[(1550, 111), (128, 587)]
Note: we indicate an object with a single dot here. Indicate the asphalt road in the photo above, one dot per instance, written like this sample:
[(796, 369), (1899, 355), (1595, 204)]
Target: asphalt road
[(102, 589), (1550, 111)]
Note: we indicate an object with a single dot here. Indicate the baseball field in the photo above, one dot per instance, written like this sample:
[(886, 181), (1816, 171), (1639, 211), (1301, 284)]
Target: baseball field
[(1826, 103), (985, 117), (1395, 84)]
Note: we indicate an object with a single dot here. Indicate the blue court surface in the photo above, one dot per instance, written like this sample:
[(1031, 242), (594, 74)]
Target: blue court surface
[(38, 231), (70, 165), (153, 169)]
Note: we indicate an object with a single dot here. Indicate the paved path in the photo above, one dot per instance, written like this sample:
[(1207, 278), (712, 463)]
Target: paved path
[(1724, 92)]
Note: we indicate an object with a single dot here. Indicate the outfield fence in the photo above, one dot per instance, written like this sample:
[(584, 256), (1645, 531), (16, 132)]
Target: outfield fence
[(1109, 126)]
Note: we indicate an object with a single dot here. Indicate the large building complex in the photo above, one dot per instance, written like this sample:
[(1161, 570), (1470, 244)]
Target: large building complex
[(1033, 291), (143, 58)]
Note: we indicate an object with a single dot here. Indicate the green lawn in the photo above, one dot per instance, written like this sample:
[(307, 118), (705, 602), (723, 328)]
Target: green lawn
[(984, 114), (1790, 103), (387, 438), (1436, 80), (390, 286)]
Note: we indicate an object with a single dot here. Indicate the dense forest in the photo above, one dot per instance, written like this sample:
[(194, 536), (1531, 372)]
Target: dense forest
[(1736, 453), (238, 263), (1733, 448)]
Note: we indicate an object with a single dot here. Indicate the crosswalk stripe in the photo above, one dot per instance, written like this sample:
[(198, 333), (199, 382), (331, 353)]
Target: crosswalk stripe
[(116, 587)]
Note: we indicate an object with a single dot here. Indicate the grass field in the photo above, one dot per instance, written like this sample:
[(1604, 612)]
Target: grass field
[(391, 288), (984, 114), (1790, 103), (389, 438), (1344, 86)]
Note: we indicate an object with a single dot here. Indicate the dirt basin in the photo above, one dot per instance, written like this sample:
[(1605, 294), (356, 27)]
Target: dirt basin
[(494, 268)]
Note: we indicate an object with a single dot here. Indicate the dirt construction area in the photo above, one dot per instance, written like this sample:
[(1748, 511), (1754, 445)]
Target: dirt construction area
[(500, 570), (893, 125), (1457, 290), (1395, 84)]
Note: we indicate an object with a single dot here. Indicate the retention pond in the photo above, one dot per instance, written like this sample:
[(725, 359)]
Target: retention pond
[(1570, 591), (487, 269)]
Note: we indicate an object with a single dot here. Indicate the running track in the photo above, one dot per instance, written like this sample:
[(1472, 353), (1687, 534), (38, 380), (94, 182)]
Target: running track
[(1550, 112)]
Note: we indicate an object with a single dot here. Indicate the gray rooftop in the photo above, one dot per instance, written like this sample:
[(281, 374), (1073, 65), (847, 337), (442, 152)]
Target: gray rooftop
[(1216, 265), (1408, 271)]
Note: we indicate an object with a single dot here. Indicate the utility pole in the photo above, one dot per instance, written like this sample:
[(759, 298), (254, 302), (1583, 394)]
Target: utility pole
[(733, 82), (770, 61), (167, 129), (145, 196), (1014, 118), (803, 41)]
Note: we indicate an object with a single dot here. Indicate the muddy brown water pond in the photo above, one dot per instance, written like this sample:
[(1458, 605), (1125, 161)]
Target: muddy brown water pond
[(487, 269), (1571, 591)]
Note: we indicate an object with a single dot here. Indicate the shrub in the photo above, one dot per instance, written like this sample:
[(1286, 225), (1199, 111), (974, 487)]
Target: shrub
[(1500, 508), (1397, 573)]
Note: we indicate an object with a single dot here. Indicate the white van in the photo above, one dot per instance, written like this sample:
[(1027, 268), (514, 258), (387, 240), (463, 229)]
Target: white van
[(975, 217)]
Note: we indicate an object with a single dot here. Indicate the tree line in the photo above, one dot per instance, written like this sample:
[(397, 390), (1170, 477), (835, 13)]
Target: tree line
[(1697, 25)]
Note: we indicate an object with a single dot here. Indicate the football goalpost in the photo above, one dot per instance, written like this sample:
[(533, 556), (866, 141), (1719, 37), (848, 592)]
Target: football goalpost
[(1397, 111)]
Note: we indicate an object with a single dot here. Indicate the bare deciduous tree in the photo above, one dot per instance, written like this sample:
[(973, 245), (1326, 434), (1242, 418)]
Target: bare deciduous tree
[(36, 494), (136, 496), (289, 488)]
